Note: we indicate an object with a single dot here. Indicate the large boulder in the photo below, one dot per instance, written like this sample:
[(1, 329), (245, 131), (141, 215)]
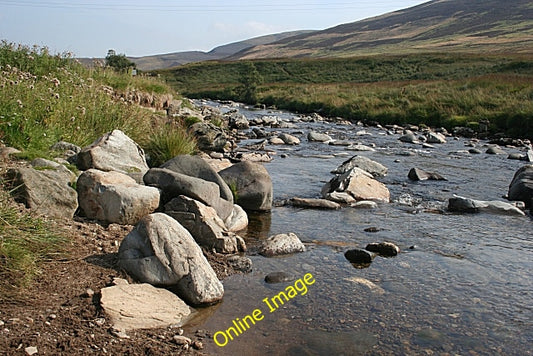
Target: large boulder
[(45, 189), (209, 137), (197, 167), (289, 139), (114, 197), (173, 184), (161, 252), (252, 184), (435, 137), (314, 136), (364, 163), (238, 220), (521, 187), (114, 151), (355, 185), (129, 307), (204, 224)]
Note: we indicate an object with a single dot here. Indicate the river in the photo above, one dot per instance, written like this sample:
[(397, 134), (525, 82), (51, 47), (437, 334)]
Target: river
[(461, 285)]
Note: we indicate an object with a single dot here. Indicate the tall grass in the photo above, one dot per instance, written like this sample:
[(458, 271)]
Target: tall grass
[(25, 242), (45, 99)]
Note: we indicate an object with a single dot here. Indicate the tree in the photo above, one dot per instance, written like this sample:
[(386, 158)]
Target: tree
[(118, 61)]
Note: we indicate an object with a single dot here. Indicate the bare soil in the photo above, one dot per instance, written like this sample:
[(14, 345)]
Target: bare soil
[(59, 314)]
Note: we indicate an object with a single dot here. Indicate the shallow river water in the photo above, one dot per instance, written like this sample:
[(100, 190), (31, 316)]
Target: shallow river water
[(462, 284)]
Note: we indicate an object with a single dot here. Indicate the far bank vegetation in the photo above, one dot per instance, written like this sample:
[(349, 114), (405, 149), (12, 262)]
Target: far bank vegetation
[(440, 90)]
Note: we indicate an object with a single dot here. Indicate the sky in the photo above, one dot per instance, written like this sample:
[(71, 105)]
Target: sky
[(147, 27)]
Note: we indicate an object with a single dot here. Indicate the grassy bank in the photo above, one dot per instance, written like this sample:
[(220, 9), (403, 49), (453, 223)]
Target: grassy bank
[(435, 89), (46, 98)]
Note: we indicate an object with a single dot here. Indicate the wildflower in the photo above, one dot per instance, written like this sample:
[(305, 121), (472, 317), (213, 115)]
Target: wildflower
[(19, 103), (56, 82), (56, 95)]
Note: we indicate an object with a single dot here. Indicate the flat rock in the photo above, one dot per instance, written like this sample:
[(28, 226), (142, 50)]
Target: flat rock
[(132, 306), (314, 203), (467, 205)]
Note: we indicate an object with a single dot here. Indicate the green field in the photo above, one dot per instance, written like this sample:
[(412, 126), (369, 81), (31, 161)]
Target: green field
[(435, 89)]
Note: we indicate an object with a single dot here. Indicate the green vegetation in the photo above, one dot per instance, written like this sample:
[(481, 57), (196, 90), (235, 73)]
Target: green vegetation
[(47, 98), (119, 62), (24, 243), (434, 89)]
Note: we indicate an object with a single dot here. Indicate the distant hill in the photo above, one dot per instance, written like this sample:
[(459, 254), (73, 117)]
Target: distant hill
[(460, 25), (162, 61)]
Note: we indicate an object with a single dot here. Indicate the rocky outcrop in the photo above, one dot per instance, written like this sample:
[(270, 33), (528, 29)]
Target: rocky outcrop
[(45, 189), (364, 163), (114, 197), (130, 307), (252, 185), (281, 244), (467, 205), (204, 224), (114, 151), (355, 185), (161, 252)]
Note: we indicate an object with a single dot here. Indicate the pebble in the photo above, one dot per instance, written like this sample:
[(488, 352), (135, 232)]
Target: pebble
[(31, 350), (198, 345), (121, 334), (278, 277), (181, 340), (89, 293)]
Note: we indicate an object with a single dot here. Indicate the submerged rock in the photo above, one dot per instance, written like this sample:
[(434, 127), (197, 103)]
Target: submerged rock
[(281, 244), (278, 277)]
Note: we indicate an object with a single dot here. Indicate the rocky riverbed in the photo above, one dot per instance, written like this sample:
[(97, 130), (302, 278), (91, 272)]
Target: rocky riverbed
[(355, 240), (460, 284)]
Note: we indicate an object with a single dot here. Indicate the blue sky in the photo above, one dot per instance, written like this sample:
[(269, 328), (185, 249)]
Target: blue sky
[(142, 27)]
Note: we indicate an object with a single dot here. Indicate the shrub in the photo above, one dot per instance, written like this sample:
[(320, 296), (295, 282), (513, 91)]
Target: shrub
[(168, 142)]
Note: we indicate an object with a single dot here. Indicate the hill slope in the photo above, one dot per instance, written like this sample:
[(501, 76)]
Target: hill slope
[(462, 25), (162, 61)]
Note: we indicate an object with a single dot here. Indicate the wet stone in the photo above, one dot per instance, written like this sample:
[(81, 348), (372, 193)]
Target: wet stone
[(358, 256), (278, 277), (383, 248)]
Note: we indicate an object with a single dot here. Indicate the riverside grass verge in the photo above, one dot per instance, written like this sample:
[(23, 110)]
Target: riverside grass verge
[(439, 89), (25, 241), (46, 98)]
